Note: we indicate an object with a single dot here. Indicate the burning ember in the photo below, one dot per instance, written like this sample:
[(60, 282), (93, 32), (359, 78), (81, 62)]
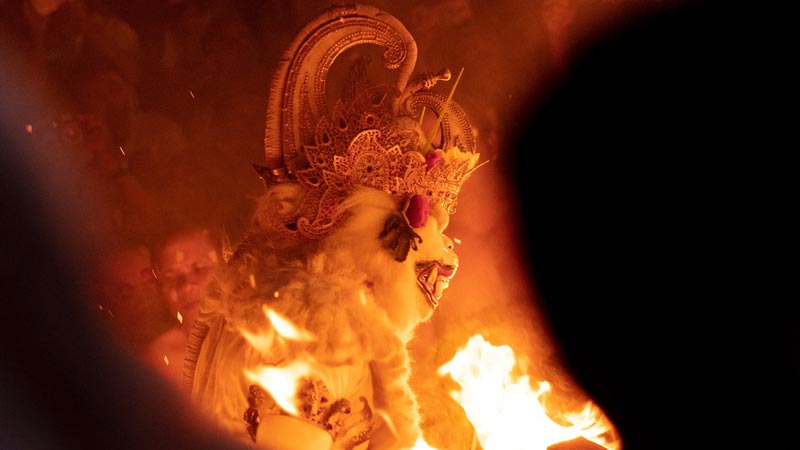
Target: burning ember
[(507, 413)]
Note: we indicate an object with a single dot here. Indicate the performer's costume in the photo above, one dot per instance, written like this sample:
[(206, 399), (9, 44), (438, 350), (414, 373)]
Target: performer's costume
[(345, 254)]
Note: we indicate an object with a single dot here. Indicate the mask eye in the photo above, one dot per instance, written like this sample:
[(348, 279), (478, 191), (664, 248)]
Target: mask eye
[(448, 243)]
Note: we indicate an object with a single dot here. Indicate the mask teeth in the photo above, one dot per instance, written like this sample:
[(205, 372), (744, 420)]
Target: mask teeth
[(432, 276)]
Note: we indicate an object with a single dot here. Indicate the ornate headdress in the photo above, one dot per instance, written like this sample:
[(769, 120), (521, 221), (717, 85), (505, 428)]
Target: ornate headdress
[(373, 134)]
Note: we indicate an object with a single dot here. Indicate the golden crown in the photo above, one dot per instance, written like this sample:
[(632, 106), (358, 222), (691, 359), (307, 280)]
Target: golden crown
[(373, 135)]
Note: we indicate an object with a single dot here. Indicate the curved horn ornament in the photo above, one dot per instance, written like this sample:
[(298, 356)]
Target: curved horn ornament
[(372, 136)]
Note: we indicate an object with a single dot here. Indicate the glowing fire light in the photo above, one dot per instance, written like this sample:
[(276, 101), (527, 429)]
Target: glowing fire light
[(260, 341), (180, 317), (29, 128), (282, 382), (362, 296), (286, 329), (506, 413), (422, 445)]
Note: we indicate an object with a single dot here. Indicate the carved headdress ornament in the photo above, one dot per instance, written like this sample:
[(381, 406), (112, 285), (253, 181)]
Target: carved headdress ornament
[(372, 136)]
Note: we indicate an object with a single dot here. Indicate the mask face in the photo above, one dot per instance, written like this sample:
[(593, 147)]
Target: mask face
[(430, 264), (408, 263), (435, 261)]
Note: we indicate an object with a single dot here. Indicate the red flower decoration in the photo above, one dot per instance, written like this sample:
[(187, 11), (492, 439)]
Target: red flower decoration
[(419, 207), (432, 158)]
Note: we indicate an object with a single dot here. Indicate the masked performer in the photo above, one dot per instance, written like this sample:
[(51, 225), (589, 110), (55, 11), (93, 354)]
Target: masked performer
[(301, 340)]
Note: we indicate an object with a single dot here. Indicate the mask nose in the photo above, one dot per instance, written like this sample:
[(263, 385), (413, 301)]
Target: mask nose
[(448, 243), (450, 258)]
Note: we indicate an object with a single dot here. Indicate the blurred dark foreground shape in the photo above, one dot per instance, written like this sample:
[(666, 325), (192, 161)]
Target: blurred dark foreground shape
[(64, 383), (653, 195)]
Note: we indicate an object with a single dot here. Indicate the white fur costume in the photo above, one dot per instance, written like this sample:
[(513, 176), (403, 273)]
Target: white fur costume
[(346, 290)]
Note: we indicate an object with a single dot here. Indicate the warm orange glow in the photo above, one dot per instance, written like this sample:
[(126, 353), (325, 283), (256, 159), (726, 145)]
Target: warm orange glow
[(362, 296), (422, 445), (180, 317), (282, 382), (287, 329), (507, 413), (260, 341)]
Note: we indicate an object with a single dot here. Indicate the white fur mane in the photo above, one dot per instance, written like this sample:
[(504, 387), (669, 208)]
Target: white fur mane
[(343, 289)]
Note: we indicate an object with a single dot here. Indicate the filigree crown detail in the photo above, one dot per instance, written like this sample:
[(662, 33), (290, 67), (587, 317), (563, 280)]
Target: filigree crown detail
[(373, 135)]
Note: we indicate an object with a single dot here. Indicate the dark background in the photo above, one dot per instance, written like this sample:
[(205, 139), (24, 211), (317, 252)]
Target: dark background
[(655, 199)]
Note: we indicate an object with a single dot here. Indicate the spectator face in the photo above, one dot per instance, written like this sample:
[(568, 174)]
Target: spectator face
[(128, 271), (88, 137), (129, 295), (186, 264)]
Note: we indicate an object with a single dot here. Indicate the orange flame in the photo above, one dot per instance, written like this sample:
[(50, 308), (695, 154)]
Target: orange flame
[(260, 341), (505, 412), (282, 382), (286, 329), (422, 445)]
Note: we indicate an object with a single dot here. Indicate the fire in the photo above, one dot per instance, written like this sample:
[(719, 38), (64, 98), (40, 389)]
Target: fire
[(507, 413), (422, 445), (286, 329), (280, 327), (282, 382)]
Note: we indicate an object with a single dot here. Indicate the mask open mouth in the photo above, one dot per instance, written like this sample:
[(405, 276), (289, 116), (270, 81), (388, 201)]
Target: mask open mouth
[(433, 278)]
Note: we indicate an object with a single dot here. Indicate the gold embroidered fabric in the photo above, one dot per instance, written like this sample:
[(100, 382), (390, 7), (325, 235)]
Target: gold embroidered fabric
[(347, 427)]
